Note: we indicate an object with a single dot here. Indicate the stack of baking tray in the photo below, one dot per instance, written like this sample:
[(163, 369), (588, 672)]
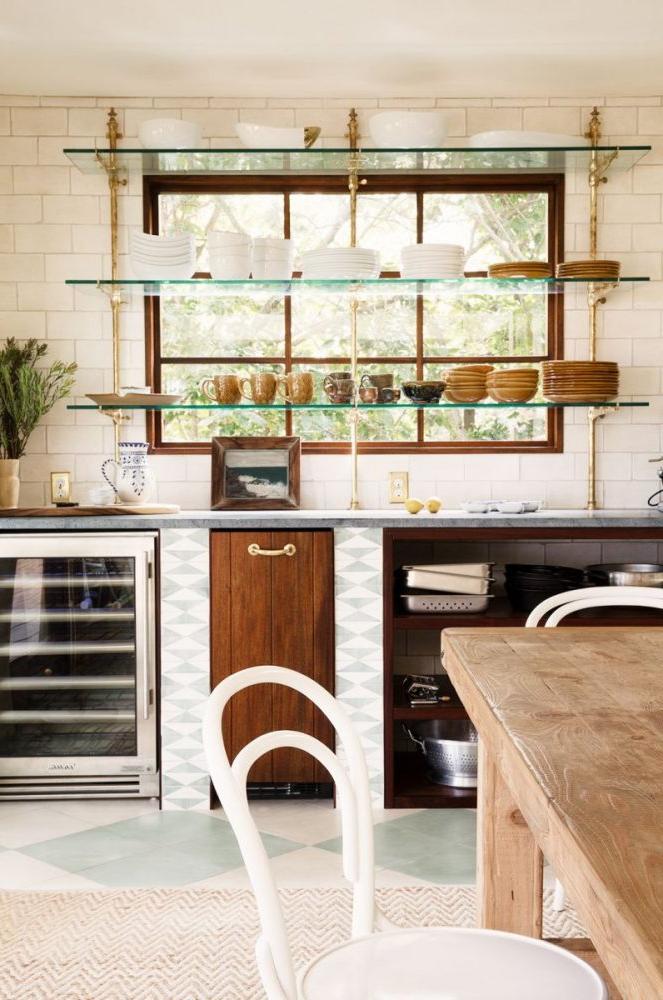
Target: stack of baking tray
[(447, 588)]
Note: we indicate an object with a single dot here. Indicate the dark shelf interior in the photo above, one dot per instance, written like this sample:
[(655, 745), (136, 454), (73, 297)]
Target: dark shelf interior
[(413, 790), (452, 709)]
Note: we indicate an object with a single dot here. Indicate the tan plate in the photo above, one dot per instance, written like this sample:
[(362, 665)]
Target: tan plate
[(134, 399)]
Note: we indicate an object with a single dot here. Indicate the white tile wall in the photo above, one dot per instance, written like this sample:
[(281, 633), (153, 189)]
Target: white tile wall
[(53, 226)]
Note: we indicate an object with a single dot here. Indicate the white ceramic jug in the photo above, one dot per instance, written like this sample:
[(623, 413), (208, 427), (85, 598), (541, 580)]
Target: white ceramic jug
[(132, 481)]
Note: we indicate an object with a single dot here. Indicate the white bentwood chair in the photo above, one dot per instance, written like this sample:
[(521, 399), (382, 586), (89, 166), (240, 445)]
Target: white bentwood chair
[(430, 963), (570, 601)]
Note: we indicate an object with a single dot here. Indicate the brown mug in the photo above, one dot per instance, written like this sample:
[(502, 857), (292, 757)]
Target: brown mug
[(333, 378), (262, 387), (369, 393), (389, 395), (341, 391), (297, 387), (383, 381), (223, 389)]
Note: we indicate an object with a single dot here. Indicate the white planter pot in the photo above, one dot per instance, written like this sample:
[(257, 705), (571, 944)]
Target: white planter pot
[(9, 482)]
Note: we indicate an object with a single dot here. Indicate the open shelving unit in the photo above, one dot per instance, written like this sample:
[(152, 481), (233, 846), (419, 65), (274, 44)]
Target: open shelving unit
[(406, 785), (358, 164)]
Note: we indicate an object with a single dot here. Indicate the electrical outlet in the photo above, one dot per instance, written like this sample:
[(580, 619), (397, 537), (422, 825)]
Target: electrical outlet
[(399, 487)]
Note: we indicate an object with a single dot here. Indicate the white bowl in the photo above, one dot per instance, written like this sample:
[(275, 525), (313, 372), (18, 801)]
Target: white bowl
[(230, 267), (476, 506), (519, 139), (256, 136), (402, 129), (220, 237), (272, 269), (170, 133)]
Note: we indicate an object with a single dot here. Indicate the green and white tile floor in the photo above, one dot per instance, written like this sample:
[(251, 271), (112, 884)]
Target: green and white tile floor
[(79, 845)]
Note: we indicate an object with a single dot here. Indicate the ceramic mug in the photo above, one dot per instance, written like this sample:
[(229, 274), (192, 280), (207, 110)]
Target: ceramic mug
[(369, 393), (297, 387), (223, 389), (262, 387), (383, 381), (334, 377), (389, 395), (340, 391)]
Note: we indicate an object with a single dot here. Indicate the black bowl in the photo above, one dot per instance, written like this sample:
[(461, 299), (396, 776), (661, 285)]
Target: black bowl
[(423, 392)]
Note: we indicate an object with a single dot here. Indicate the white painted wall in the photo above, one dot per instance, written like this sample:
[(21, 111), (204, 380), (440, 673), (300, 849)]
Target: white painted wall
[(53, 225)]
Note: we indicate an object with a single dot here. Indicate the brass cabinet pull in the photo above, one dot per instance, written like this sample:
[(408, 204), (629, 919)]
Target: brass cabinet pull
[(287, 550)]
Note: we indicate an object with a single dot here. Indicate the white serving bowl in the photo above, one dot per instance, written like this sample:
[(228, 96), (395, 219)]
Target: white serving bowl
[(220, 237), (230, 267), (518, 139), (255, 136), (170, 133), (272, 269), (402, 129)]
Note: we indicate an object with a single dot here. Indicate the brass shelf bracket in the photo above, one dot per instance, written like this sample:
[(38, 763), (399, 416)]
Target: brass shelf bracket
[(593, 414)]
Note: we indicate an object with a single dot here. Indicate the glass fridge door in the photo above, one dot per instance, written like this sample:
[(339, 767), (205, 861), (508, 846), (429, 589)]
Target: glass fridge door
[(77, 655)]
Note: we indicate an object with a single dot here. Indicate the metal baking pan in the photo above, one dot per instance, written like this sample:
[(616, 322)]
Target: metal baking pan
[(430, 578), (483, 569), (435, 604)]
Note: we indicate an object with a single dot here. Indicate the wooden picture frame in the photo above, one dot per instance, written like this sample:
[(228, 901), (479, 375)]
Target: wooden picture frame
[(276, 489)]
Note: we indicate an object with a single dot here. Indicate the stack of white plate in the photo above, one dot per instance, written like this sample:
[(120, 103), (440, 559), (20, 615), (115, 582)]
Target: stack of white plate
[(272, 258), (340, 262), (432, 260), (162, 257), (230, 255)]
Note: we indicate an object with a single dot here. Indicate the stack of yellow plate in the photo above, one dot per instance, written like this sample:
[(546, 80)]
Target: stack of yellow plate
[(590, 270), (521, 269), (466, 384), (512, 385), (580, 381)]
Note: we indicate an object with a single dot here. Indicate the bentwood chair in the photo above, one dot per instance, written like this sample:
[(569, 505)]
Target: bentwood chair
[(570, 601), (378, 961)]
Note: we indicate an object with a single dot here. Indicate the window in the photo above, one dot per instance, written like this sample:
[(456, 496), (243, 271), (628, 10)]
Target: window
[(495, 218)]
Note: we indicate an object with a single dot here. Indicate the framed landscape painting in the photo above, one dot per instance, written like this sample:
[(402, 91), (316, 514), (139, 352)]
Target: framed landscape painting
[(254, 473)]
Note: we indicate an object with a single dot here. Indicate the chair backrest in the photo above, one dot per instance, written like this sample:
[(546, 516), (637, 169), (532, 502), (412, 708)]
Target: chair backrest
[(350, 775), (571, 601)]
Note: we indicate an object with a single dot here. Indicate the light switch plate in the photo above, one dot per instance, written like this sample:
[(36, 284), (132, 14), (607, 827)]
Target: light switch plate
[(399, 487)]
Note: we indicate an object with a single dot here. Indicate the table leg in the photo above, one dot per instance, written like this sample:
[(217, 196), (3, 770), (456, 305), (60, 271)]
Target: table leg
[(509, 863)]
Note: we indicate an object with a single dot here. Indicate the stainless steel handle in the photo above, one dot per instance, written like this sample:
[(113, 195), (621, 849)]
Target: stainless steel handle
[(287, 550), (146, 638)]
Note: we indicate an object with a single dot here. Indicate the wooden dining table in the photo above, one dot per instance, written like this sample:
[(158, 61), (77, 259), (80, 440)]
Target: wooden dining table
[(570, 723)]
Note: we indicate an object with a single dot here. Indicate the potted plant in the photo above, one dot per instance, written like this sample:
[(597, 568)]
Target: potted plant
[(27, 393)]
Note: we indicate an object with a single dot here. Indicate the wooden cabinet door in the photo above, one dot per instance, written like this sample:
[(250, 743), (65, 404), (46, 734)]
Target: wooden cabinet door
[(274, 610)]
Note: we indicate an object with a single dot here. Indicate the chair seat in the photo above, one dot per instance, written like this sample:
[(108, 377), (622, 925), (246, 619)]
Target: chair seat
[(439, 963)]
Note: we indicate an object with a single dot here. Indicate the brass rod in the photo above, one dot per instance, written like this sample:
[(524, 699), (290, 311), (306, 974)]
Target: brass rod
[(353, 187), (114, 183)]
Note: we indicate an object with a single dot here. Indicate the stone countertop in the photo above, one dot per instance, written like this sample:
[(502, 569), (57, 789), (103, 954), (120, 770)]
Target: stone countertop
[(298, 519)]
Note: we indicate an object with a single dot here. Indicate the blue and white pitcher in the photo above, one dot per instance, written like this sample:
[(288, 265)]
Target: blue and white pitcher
[(133, 481)]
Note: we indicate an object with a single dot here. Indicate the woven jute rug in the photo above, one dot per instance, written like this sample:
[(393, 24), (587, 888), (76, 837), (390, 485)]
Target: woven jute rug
[(189, 944)]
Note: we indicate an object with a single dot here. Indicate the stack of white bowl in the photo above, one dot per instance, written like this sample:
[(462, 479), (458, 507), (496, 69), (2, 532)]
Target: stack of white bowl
[(272, 258), (230, 255), (162, 257), (340, 262), (432, 260)]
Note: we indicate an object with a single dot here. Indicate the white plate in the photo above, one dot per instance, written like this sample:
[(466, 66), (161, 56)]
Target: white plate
[(519, 139)]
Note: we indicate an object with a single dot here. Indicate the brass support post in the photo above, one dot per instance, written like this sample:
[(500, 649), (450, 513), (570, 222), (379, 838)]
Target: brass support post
[(115, 182), (595, 413), (596, 292), (354, 183)]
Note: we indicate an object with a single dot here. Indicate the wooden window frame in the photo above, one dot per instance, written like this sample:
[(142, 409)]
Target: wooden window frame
[(550, 184)]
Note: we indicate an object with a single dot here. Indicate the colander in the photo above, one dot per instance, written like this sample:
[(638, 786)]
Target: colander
[(450, 747)]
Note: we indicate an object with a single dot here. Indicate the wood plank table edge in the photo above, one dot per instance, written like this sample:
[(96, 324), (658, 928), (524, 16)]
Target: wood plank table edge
[(550, 833)]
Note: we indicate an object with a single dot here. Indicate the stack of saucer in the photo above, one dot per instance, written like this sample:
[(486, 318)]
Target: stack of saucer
[(467, 383), (229, 255), (580, 381), (432, 260), (521, 269), (512, 385), (341, 262), (590, 270), (155, 258), (272, 258)]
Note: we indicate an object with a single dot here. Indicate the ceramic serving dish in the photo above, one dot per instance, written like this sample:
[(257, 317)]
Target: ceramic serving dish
[(424, 391)]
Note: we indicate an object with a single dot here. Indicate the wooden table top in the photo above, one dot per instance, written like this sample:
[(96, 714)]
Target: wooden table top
[(574, 719)]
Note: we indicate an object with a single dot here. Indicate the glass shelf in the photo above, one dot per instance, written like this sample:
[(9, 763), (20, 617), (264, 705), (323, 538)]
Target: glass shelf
[(616, 404), (363, 288), (318, 160)]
